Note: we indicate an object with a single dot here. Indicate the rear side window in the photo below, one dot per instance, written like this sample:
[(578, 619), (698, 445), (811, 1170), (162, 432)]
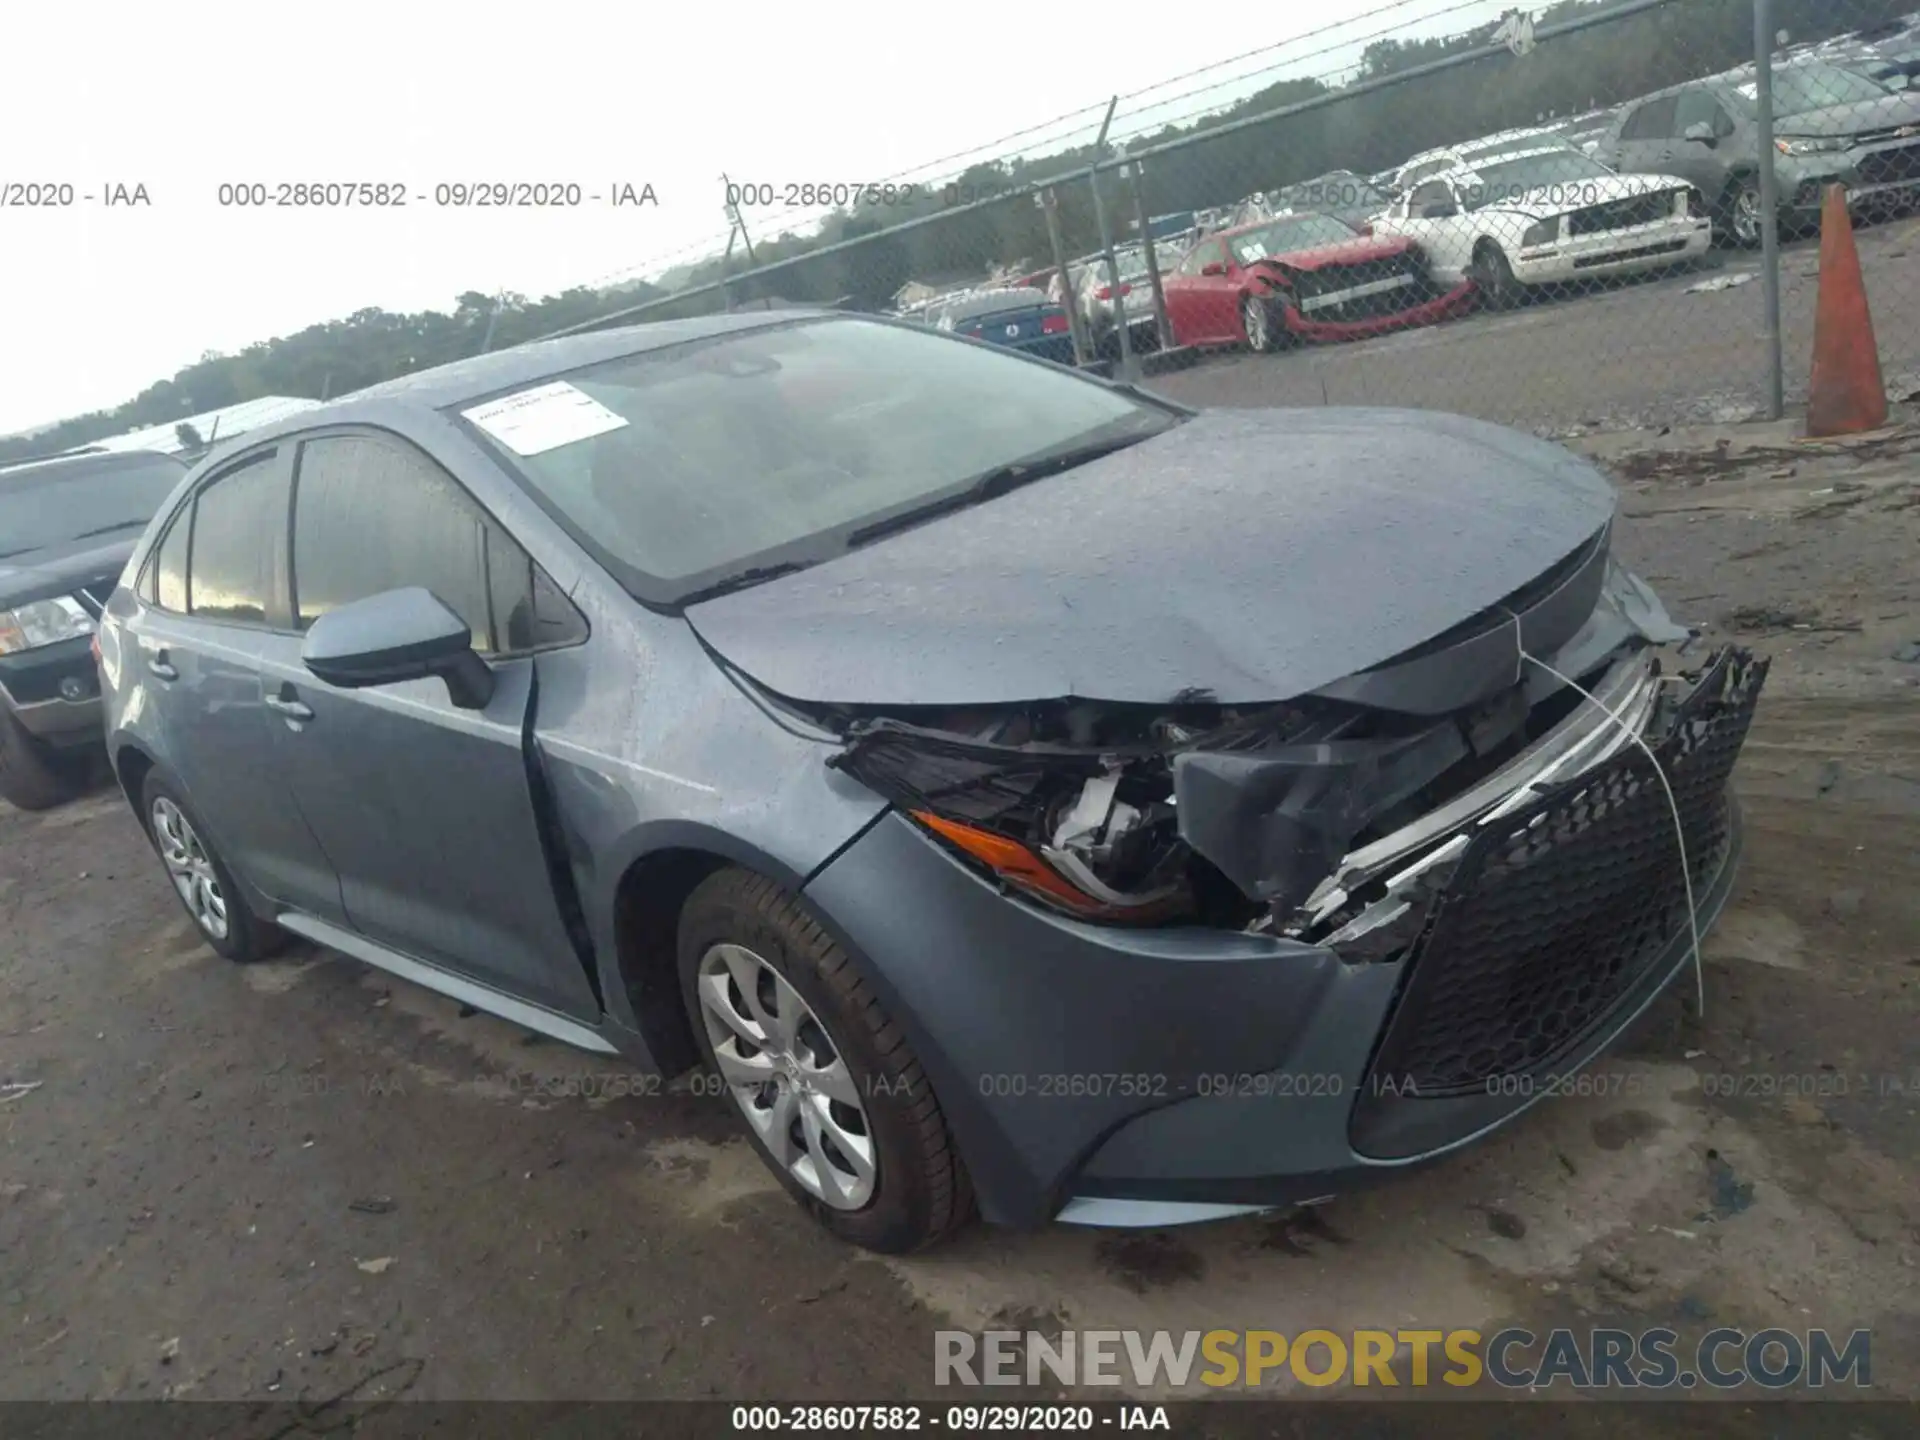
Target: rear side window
[(170, 564), (1652, 121), (372, 515), (238, 522)]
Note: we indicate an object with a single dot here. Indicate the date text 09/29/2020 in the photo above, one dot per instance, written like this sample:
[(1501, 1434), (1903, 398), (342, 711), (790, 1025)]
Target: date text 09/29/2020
[(444, 195)]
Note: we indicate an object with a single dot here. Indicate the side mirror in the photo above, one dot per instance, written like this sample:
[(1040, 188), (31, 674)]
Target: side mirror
[(1213, 267), (1702, 132), (398, 635)]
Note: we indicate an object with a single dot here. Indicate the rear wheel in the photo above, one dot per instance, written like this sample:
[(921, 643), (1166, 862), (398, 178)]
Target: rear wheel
[(33, 776), (1493, 273), (202, 881), (834, 1100)]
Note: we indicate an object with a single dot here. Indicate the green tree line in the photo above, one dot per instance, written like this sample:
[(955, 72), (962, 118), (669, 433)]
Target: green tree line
[(331, 359), (1562, 77)]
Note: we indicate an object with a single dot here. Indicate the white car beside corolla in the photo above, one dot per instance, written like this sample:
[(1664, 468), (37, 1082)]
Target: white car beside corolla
[(1546, 215)]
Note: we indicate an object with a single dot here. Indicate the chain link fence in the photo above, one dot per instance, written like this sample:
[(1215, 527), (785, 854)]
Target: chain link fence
[(1604, 212)]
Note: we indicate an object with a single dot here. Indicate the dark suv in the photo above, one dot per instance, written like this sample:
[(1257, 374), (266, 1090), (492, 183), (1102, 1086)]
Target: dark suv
[(67, 526)]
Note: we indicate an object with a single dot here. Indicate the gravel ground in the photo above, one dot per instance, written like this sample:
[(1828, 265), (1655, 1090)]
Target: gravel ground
[(304, 1179)]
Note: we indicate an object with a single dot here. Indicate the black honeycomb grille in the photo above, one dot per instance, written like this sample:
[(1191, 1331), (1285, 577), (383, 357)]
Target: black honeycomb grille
[(1554, 913)]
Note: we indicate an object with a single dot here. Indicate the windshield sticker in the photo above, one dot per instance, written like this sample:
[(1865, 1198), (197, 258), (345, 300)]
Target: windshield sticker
[(544, 418)]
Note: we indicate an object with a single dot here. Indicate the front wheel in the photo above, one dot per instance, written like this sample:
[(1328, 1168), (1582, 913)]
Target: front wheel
[(1742, 219), (834, 1100), (1493, 273), (1263, 331)]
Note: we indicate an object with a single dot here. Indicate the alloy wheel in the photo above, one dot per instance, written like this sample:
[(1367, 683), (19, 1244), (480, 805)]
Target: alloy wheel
[(190, 868), (787, 1076), (1746, 215), (1253, 317)]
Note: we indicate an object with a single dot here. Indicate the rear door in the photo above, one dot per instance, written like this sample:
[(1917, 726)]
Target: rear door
[(214, 599), (1647, 136), (425, 810)]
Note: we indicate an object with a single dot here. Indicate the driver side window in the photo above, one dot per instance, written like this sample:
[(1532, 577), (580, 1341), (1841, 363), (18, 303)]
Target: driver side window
[(1698, 107), (1435, 194), (371, 515)]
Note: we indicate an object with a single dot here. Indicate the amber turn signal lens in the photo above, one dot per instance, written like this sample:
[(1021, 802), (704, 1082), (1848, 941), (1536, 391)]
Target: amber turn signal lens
[(1013, 861)]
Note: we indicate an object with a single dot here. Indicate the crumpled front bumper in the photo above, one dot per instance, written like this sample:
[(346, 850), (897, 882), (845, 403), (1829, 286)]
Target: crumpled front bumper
[(1116, 1076), (1445, 306)]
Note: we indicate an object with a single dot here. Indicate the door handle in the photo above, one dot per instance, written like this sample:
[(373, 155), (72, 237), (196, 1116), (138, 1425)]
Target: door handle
[(292, 709), (157, 663)]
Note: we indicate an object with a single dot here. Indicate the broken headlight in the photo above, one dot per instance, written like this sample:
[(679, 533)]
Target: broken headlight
[(1090, 834)]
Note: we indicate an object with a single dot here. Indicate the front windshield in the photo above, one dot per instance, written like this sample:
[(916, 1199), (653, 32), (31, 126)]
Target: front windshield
[(1801, 89), (1291, 232), (685, 466), (43, 506), (1566, 176)]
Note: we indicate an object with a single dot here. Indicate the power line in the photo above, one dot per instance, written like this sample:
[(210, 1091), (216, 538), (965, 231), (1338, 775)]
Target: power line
[(1100, 107), (706, 247)]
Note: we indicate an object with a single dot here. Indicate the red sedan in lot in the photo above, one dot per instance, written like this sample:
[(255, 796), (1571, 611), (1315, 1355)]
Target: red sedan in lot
[(1303, 276)]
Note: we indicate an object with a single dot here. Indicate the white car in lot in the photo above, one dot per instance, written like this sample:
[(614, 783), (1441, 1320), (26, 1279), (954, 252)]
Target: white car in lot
[(1547, 216)]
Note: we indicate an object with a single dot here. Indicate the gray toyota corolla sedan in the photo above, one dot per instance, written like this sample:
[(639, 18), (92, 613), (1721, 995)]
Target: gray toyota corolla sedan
[(1030, 797)]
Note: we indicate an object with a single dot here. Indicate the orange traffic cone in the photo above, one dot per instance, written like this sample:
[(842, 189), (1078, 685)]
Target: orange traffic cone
[(1848, 394)]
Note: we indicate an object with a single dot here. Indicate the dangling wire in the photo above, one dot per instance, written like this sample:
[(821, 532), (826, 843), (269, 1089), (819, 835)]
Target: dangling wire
[(1673, 805)]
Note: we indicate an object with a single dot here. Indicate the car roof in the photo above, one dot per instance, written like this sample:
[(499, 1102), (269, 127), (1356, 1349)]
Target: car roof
[(1468, 167), (979, 300), (1267, 220)]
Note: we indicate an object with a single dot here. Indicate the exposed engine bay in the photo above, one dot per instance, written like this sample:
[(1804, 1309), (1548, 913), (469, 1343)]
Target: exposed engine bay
[(1327, 818)]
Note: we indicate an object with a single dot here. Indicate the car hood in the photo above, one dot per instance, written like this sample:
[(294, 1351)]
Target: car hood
[(1253, 555), (1861, 116), (1356, 251), (62, 569), (1563, 199)]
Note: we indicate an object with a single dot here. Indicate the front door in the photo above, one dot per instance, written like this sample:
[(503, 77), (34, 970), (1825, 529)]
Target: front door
[(425, 809)]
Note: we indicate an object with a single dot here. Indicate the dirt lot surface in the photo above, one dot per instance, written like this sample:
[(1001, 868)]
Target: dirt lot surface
[(296, 1179)]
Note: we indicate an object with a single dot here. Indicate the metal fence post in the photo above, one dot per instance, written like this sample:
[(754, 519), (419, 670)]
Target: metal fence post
[(1049, 202), (1163, 332), (1127, 370), (1769, 206)]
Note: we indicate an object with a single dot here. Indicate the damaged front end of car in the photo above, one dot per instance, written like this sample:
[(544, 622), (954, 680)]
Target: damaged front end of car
[(1338, 819)]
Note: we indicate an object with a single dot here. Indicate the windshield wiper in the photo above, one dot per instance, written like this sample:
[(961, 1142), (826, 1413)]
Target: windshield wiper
[(105, 529), (741, 581), (994, 482)]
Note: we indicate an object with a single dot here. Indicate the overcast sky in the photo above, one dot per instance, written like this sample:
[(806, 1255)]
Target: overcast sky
[(101, 302)]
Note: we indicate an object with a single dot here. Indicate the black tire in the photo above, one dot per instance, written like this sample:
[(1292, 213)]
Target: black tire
[(248, 937), (921, 1194), (1262, 327), (1738, 223), (34, 776), (1493, 273)]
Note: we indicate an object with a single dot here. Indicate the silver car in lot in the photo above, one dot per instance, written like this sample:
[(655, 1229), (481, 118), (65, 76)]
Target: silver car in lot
[(1025, 795), (1103, 310)]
